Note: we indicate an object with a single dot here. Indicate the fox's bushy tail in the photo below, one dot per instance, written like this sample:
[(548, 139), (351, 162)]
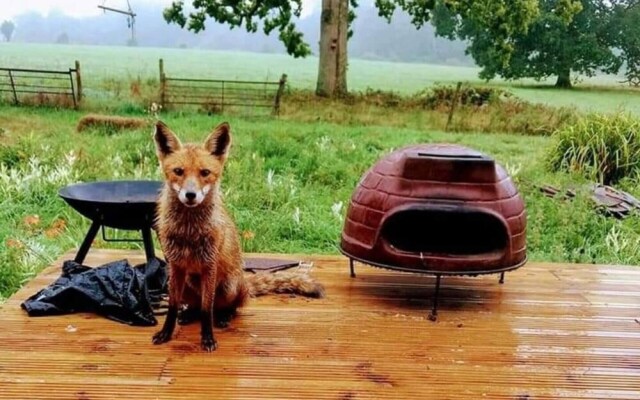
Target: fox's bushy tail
[(296, 282)]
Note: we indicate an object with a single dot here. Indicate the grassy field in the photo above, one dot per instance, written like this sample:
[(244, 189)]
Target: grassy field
[(287, 185), (102, 64)]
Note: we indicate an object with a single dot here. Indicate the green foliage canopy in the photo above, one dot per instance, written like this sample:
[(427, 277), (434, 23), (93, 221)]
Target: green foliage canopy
[(627, 20), (502, 18), (583, 36)]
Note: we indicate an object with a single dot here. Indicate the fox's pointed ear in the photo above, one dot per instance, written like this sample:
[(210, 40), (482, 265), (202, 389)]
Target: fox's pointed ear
[(166, 141), (219, 140)]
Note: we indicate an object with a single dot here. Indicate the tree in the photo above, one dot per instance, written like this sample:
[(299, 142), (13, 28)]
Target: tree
[(501, 19), (568, 36), (7, 28), (63, 38), (332, 63), (627, 20)]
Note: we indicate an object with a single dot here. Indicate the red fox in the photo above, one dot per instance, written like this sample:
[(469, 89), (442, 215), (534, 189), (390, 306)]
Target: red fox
[(200, 241)]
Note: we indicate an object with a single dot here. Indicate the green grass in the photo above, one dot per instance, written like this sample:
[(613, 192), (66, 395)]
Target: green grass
[(119, 65), (277, 169)]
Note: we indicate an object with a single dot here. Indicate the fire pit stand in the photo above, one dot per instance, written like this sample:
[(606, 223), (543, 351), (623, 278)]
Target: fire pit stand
[(434, 309), (126, 205)]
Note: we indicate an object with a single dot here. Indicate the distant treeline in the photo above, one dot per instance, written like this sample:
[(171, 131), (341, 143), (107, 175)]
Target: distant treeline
[(373, 37)]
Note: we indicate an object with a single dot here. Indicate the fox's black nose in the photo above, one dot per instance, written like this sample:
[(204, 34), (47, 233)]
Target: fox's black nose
[(190, 196)]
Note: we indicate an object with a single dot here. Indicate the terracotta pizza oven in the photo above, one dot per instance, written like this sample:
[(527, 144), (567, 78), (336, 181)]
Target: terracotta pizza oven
[(438, 209)]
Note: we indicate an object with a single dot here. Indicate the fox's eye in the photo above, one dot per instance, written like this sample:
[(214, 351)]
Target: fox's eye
[(178, 171), (204, 173)]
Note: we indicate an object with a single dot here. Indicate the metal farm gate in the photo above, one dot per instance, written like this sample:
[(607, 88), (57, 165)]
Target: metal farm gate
[(41, 87), (218, 96)]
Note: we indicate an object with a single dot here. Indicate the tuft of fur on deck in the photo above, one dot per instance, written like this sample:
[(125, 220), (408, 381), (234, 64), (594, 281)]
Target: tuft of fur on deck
[(294, 282), (111, 122)]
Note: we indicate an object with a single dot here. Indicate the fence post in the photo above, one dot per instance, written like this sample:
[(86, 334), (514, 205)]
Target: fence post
[(453, 105), (163, 83), (13, 87), (78, 81), (222, 104), (283, 81), (73, 90)]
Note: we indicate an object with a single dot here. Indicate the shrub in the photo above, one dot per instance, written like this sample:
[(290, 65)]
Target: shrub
[(443, 96), (601, 147)]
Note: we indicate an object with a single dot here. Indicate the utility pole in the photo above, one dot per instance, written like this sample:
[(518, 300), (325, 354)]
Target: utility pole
[(131, 18)]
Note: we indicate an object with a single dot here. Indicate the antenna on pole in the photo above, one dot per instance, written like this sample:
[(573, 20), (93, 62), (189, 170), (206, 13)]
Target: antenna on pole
[(131, 17)]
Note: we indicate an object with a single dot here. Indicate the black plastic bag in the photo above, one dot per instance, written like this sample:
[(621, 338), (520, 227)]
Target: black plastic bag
[(115, 290)]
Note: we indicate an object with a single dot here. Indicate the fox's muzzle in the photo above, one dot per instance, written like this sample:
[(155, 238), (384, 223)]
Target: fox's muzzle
[(190, 194)]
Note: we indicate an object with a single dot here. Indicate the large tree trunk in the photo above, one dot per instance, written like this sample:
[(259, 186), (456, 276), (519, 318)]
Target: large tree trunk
[(332, 68), (564, 78)]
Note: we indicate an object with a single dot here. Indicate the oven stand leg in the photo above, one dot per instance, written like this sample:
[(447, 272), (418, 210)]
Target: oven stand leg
[(501, 278), (434, 312), (148, 244), (353, 272), (87, 242)]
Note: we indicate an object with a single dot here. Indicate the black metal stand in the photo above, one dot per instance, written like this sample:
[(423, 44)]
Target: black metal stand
[(433, 315), (148, 244), (86, 243), (93, 232), (434, 312)]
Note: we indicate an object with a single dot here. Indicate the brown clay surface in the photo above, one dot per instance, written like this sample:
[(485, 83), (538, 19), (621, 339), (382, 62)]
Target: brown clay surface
[(449, 177)]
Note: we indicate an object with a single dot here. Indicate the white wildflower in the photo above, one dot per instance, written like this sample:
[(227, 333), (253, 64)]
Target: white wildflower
[(270, 178), (154, 109), (336, 210), (71, 158), (615, 241), (513, 170), (116, 165), (296, 216), (323, 143)]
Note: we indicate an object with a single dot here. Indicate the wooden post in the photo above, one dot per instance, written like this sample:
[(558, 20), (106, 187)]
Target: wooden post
[(73, 91), (283, 81), (78, 81), (453, 105), (13, 87), (222, 103), (163, 83)]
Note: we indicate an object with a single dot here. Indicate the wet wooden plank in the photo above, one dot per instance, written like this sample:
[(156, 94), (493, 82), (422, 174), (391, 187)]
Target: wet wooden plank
[(551, 331)]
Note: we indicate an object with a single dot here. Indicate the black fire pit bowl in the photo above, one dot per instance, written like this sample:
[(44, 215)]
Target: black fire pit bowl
[(127, 205)]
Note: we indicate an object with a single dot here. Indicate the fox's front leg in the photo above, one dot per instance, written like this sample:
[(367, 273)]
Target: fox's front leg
[(208, 341), (176, 288)]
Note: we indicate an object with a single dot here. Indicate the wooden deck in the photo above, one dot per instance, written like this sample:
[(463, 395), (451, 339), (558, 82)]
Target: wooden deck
[(551, 331)]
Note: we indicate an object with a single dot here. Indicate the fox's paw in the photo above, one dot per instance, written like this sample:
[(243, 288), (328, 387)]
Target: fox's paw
[(223, 318), (162, 337), (209, 343), (188, 316), (219, 323)]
